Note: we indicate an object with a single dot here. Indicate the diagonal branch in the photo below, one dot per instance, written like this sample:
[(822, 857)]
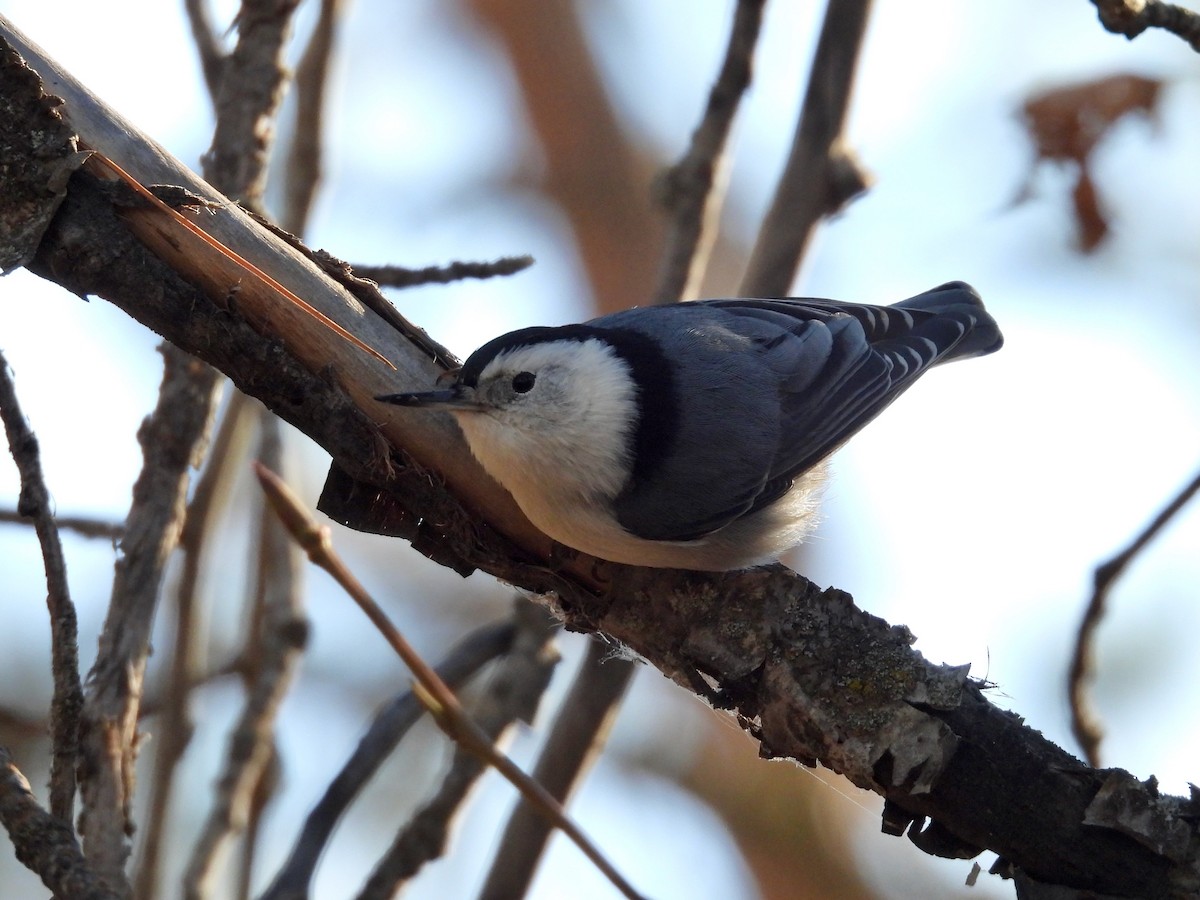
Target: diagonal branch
[(391, 724), (511, 694), (582, 720), (1085, 723), (44, 842), (34, 503), (688, 188)]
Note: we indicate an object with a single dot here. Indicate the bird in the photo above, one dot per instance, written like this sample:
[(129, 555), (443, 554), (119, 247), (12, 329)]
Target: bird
[(694, 435)]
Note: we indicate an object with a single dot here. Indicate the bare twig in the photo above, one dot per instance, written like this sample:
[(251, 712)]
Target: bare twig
[(34, 503), (302, 172), (44, 842), (390, 725), (689, 187), (1085, 722), (81, 525), (512, 693), (441, 702), (174, 729), (212, 55), (1132, 17), (821, 175), (589, 706), (281, 633), (400, 277), (171, 439)]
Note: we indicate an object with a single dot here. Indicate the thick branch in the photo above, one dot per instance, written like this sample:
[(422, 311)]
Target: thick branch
[(169, 439), (43, 842)]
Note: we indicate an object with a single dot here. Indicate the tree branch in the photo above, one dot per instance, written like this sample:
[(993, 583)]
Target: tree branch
[(688, 188), (1085, 723), (246, 99), (302, 171), (277, 640), (169, 438), (511, 694), (401, 277), (1132, 17), (821, 175), (582, 720), (44, 842), (390, 725), (80, 525), (174, 729), (34, 503)]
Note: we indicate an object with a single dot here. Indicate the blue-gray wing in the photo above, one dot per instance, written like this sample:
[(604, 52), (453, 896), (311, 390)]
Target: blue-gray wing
[(767, 389)]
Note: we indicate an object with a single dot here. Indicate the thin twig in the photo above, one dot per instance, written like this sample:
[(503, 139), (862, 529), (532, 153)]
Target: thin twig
[(302, 172), (689, 188), (44, 842), (400, 277), (821, 175), (34, 503), (391, 724), (512, 693), (584, 715), (280, 636), (1085, 722), (171, 439), (81, 525), (1132, 17), (174, 730), (441, 702)]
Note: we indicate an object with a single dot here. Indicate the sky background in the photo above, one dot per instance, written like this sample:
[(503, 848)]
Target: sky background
[(974, 510)]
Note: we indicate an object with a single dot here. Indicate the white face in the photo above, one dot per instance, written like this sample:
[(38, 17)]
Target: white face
[(559, 411)]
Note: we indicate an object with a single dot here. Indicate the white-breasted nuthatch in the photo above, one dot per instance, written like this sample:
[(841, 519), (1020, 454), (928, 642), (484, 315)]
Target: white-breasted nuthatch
[(693, 435)]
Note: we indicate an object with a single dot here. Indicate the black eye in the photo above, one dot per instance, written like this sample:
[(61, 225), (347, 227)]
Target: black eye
[(522, 382)]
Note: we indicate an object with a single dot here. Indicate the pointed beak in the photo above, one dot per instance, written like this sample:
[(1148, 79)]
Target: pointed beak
[(457, 397)]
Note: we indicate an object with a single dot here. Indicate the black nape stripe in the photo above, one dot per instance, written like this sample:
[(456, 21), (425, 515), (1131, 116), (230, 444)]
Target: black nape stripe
[(657, 397)]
